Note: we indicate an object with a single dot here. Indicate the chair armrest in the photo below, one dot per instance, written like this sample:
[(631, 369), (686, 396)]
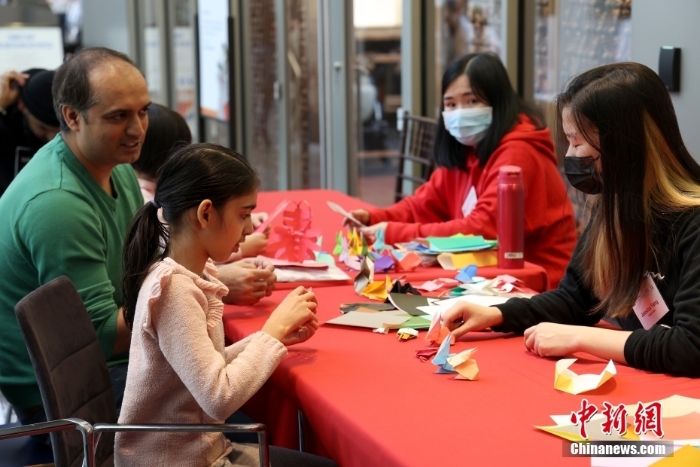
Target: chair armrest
[(223, 428), (47, 427)]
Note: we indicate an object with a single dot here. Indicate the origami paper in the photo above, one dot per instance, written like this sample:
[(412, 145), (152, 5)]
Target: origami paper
[(331, 273), (354, 243), (294, 240), (345, 307), (336, 208), (436, 333), (405, 288), (354, 262), (466, 274), (567, 381), (441, 306), (322, 257), (404, 334), (458, 243), (339, 240), (684, 457), (383, 263), (379, 245), (454, 261), (382, 319), (436, 284), (465, 365), (306, 264), (377, 290), (426, 354), (405, 262), (409, 303), (365, 276), (417, 322), (278, 210), (364, 251)]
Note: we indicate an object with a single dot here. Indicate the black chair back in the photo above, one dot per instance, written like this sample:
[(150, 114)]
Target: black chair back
[(417, 141)]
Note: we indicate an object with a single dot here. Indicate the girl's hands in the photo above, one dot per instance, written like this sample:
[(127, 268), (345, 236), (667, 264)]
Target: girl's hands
[(255, 244), (466, 317), (294, 320), (371, 231), (552, 339)]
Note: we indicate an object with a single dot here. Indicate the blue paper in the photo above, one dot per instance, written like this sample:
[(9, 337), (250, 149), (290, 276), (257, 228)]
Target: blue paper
[(440, 358), (466, 274)]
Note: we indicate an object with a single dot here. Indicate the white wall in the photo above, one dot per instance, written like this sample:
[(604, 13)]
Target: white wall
[(673, 23)]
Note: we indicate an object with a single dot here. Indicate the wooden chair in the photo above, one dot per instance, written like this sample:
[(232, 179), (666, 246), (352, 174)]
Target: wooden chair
[(74, 381), (416, 151)]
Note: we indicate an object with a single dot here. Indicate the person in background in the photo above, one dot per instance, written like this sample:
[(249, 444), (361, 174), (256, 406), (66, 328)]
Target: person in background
[(484, 126), (27, 119), (248, 280), (638, 261), (68, 210), (180, 371)]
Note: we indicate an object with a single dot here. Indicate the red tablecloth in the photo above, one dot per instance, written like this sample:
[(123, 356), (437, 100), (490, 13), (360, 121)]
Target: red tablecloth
[(369, 401), (330, 223)]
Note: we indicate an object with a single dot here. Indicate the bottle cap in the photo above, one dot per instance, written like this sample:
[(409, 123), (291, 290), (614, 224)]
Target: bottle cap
[(510, 174)]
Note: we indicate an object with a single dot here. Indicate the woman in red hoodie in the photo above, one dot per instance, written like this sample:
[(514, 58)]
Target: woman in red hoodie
[(484, 126)]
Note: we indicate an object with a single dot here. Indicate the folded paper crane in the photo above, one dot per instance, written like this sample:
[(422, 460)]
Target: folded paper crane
[(567, 381), (436, 333), (295, 240), (462, 363)]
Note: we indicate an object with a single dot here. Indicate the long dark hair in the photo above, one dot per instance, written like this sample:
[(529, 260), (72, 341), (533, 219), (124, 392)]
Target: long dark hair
[(490, 83), (646, 171), (166, 130), (192, 174)]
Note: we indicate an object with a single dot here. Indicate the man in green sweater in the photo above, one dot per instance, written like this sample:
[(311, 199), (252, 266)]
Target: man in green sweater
[(67, 213)]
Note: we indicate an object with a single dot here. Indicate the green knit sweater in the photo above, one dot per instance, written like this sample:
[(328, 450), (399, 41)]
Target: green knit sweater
[(55, 220)]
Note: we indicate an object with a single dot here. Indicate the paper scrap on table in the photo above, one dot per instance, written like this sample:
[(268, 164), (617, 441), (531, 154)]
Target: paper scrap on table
[(383, 263), (324, 258), (406, 262), (336, 208), (278, 210), (454, 261), (345, 307), (381, 319), (409, 303), (329, 274), (443, 305), (426, 354), (467, 274), (306, 264), (436, 284), (567, 381), (365, 276), (295, 240), (404, 334), (377, 290)]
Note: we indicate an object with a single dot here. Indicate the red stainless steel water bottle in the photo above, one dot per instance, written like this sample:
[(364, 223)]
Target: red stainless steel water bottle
[(511, 218)]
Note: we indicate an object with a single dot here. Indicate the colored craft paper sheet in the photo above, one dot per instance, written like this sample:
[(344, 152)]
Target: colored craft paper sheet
[(458, 243), (365, 276), (567, 381), (306, 264), (417, 322), (436, 284), (337, 208), (441, 306), (465, 365), (436, 333), (687, 456), (409, 303), (454, 261), (278, 210), (354, 243), (325, 258), (381, 319), (467, 274), (377, 290), (383, 263), (379, 245), (406, 262)]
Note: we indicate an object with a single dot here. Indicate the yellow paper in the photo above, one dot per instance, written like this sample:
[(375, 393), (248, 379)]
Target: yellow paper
[(687, 456), (452, 261), (594, 430), (354, 243), (567, 381), (378, 290), (465, 365)]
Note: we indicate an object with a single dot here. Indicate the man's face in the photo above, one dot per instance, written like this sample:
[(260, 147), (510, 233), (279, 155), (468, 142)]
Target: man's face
[(112, 131)]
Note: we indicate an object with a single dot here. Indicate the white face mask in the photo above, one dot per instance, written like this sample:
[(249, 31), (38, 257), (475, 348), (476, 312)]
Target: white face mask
[(468, 126)]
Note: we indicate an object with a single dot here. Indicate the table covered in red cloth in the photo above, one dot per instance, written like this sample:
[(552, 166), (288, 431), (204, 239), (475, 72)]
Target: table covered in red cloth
[(368, 400), (330, 223)]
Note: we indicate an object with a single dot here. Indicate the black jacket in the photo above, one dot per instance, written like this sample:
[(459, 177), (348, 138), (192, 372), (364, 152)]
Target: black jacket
[(673, 348)]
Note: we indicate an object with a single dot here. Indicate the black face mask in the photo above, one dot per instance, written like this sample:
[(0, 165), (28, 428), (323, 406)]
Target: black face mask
[(582, 174)]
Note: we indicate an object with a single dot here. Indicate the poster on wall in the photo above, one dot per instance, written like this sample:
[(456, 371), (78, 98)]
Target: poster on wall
[(213, 58), (31, 47)]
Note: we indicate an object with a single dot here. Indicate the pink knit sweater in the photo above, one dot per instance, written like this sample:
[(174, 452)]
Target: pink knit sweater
[(180, 371)]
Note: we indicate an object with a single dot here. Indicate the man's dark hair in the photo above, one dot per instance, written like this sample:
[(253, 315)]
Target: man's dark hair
[(71, 84)]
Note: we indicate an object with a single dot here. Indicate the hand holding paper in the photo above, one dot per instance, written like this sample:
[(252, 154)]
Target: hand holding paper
[(465, 317), (337, 208)]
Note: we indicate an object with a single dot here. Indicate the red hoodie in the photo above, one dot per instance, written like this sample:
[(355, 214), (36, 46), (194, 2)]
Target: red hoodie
[(436, 207)]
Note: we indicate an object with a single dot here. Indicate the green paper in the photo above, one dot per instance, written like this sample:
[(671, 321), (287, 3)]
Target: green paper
[(459, 243), (416, 322)]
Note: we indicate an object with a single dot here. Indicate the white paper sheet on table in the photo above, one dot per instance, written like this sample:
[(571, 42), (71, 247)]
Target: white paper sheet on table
[(444, 305), (333, 273)]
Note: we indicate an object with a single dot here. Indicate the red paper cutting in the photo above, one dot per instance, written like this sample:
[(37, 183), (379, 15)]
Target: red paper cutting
[(295, 240)]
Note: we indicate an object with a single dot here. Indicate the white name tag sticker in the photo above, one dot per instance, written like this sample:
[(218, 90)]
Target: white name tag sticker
[(469, 202), (650, 306)]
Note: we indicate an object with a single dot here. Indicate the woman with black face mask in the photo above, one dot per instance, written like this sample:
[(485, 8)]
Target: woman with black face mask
[(638, 262)]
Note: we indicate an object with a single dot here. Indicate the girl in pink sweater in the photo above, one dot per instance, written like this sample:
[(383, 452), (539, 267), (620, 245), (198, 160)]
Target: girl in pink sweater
[(179, 370)]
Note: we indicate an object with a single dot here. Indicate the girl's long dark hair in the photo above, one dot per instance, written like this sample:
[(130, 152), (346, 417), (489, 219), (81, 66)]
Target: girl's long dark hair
[(490, 83), (189, 176), (646, 171)]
